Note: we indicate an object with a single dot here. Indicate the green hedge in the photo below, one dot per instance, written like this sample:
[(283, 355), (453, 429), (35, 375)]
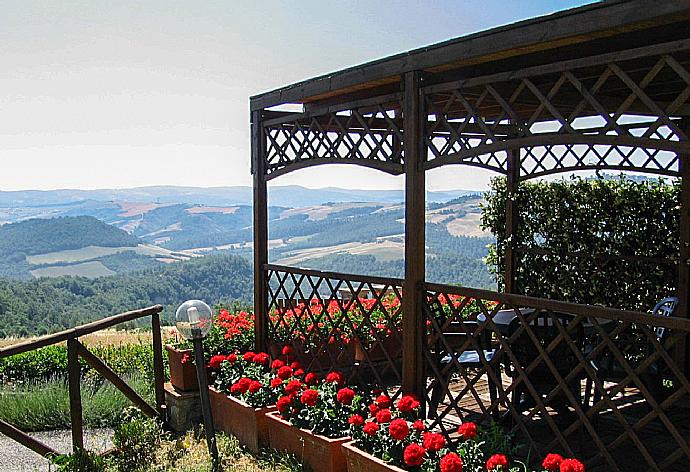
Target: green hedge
[(598, 219)]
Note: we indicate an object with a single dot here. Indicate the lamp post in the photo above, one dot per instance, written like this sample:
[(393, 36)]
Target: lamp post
[(194, 320)]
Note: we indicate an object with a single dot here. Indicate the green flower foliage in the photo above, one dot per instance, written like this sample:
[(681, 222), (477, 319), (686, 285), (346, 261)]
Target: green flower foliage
[(587, 230)]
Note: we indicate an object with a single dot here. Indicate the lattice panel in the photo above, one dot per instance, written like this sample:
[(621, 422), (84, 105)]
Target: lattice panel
[(586, 385), (612, 116), (371, 137), (338, 323)]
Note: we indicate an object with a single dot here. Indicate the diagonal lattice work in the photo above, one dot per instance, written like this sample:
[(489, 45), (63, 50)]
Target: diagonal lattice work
[(368, 135), (600, 384), (595, 114), (338, 322)]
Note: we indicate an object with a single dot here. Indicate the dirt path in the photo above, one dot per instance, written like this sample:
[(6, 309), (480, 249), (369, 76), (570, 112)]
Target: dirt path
[(16, 458)]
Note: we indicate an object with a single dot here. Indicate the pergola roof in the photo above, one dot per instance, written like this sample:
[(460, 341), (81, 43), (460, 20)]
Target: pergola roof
[(600, 28)]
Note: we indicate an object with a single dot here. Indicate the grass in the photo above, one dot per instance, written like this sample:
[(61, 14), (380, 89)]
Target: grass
[(41, 406), (190, 454), (90, 270)]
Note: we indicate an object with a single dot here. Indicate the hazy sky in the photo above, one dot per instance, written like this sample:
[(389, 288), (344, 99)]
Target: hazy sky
[(98, 94)]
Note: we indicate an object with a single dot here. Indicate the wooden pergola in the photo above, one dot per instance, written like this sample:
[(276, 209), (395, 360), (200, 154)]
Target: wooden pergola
[(604, 87)]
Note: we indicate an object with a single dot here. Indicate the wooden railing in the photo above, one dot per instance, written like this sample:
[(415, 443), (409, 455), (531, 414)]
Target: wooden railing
[(76, 349)]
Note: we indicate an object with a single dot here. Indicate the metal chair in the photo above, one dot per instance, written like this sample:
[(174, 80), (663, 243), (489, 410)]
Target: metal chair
[(608, 369)]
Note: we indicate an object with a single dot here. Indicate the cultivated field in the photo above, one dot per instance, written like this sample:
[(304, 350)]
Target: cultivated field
[(91, 270)]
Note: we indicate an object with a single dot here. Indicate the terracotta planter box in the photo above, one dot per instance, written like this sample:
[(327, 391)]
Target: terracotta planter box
[(182, 376), (360, 461), (232, 415), (320, 453)]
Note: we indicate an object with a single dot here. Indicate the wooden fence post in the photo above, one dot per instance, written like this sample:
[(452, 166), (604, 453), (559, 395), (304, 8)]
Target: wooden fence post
[(158, 369), (74, 380)]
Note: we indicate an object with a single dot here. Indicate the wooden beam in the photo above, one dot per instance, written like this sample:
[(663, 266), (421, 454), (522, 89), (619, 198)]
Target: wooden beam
[(79, 331), (413, 325), (260, 232), (74, 381), (158, 368), (107, 373), (25, 440)]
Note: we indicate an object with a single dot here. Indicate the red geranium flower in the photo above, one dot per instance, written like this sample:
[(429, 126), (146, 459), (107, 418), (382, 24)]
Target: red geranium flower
[(232, 358), (298, 373), (408, 403), (384, 401), (248, 356), (398, 429), (296, 365), (419, 425), (414, 455), (216, 361), (433, 441), (451, 462), (468, 430), (275, 383), (335, 377), (311, 378), (355, 420), (185, 358), (241, 386), (496, 461), (293, 387), (283, 404), (287, 350), (284, 372), (277, 364), (383, 416), (552, 462), (370, 428), (345, 395), (262, 358), (373, 408), (309, 397), (572, 465), (254, 386)]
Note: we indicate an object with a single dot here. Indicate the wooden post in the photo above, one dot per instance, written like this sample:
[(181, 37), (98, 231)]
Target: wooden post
[(74, 380), (413, 375), (158, 369), (260, 233), (513, 167), (681, 355)]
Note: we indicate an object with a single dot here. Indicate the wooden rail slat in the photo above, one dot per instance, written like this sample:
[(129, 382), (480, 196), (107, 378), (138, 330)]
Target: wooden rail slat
[(24, 439), (100, 367), (79, 331)]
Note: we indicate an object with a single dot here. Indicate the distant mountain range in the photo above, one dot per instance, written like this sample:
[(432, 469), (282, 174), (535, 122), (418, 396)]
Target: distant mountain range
[(286, 196)]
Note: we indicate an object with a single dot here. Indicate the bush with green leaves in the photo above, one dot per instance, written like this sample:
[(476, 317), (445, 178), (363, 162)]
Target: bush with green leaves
[(136, 439), (595, 241), (81, 460), (51, 361)]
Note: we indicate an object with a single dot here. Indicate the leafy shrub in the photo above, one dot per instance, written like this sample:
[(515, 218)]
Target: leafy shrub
[(80, 461), (575, 238), (136, 438), (51, 361)]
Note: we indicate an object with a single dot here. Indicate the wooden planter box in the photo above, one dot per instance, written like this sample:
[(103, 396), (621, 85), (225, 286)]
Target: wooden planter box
[(377, 351), (360, 461), (232, 415), (320, 453), (182, 376)]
